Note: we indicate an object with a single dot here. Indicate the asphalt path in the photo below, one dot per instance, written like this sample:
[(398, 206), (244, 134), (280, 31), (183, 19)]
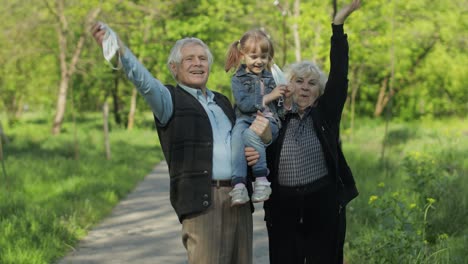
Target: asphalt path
[(143, 229)]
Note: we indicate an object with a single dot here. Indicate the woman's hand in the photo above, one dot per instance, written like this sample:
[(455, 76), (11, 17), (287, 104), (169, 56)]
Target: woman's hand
[(288, 91), (341, 15), (288, 97)]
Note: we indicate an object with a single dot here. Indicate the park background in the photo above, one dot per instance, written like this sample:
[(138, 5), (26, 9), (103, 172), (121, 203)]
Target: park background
[(76, 137)]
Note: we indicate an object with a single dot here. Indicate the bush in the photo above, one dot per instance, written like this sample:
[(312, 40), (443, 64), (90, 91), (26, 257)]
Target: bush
[(413, 209), (397, 231)]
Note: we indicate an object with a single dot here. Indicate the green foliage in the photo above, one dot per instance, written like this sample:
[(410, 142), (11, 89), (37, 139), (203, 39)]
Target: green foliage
[(412, 208), (399, 232), (50, 200), (438, 174), (424, 40)]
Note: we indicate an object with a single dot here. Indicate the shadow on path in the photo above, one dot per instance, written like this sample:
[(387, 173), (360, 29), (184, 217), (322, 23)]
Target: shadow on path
[(143, 228)]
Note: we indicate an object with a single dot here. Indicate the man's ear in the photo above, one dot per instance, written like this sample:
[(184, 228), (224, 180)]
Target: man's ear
[(173, 67)]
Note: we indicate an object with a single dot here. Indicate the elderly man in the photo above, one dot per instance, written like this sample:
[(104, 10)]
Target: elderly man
[(194, 126)]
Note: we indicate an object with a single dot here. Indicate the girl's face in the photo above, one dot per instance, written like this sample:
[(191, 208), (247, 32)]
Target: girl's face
[(256, 61), (306, 90)]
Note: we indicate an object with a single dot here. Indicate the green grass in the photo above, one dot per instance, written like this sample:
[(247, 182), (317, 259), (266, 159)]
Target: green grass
[(50, 198), (412, 206)]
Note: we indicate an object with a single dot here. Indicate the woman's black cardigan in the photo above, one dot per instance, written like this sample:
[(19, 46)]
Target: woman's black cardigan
[(326, 116)]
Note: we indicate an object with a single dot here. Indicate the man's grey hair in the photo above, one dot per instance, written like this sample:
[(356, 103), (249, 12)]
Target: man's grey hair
[(305, 69), (175, 57)]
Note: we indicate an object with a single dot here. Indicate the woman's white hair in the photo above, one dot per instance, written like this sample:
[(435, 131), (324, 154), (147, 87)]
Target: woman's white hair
[(305, 69), (175, 57)]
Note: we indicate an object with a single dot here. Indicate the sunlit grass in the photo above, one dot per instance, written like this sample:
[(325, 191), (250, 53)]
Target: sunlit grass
[(53, 196), (56, 190)]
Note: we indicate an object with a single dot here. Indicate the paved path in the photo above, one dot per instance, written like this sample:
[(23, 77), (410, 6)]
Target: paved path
[(143, 229)]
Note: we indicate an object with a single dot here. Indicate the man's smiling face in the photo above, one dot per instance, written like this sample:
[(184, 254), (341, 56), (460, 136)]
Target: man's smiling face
[(193, 70)]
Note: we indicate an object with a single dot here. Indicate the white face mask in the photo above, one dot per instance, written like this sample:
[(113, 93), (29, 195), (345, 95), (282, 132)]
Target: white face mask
[(278, 75), (279, 78), (110, 45)]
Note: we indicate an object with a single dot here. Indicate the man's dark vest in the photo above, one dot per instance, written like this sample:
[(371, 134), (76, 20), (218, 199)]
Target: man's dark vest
[(187, 143)]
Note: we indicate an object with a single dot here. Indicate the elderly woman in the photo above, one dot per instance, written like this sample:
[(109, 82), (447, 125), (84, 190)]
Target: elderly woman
[(310, 178)]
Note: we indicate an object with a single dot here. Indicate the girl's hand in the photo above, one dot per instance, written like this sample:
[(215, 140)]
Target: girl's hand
[(279, 91), (274, 95)]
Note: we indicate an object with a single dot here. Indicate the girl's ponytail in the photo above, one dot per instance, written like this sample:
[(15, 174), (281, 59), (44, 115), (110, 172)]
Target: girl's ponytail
[(233, 56)]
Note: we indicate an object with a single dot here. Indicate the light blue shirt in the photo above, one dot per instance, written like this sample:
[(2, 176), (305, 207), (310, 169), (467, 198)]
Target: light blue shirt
[(159, 99)]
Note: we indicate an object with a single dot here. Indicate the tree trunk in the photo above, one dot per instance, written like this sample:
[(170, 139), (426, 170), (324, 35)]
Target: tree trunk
[(67, 69), (105, 115), (285, 45), (295, 30), (3, 136), (19, 107), (384, 97), (131, 113), (2, 160), (133, 100), (116, 100), (1, 149), (60, 107), (387, 99), (353, 108), (354, 90), (61, 28)]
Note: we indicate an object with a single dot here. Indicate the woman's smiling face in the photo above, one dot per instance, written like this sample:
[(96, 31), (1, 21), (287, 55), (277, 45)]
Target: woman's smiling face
[(306, 90)]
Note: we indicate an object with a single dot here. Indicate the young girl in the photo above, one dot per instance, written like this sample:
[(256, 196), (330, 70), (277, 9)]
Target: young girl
[(255, 91)]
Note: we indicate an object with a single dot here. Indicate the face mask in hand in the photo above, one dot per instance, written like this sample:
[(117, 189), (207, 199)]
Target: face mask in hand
[(279, 78), (110, 45)]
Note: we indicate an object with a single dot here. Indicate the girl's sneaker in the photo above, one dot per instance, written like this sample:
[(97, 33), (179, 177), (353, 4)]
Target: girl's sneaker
[(239, 195), (262, 191)]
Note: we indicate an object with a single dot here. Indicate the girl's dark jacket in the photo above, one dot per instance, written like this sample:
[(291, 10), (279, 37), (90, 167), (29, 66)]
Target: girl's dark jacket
[(326, 116)]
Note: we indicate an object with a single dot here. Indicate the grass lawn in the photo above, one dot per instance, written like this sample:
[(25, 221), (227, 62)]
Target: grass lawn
[(412, 206), (51, 197)]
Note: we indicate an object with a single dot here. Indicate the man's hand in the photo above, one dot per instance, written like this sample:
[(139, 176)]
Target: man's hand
[(341, 15), (98, 33), (261, 127), (251, 155)]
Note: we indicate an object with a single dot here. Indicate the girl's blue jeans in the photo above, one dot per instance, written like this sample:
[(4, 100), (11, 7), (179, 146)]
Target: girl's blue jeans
[(243, 137)]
